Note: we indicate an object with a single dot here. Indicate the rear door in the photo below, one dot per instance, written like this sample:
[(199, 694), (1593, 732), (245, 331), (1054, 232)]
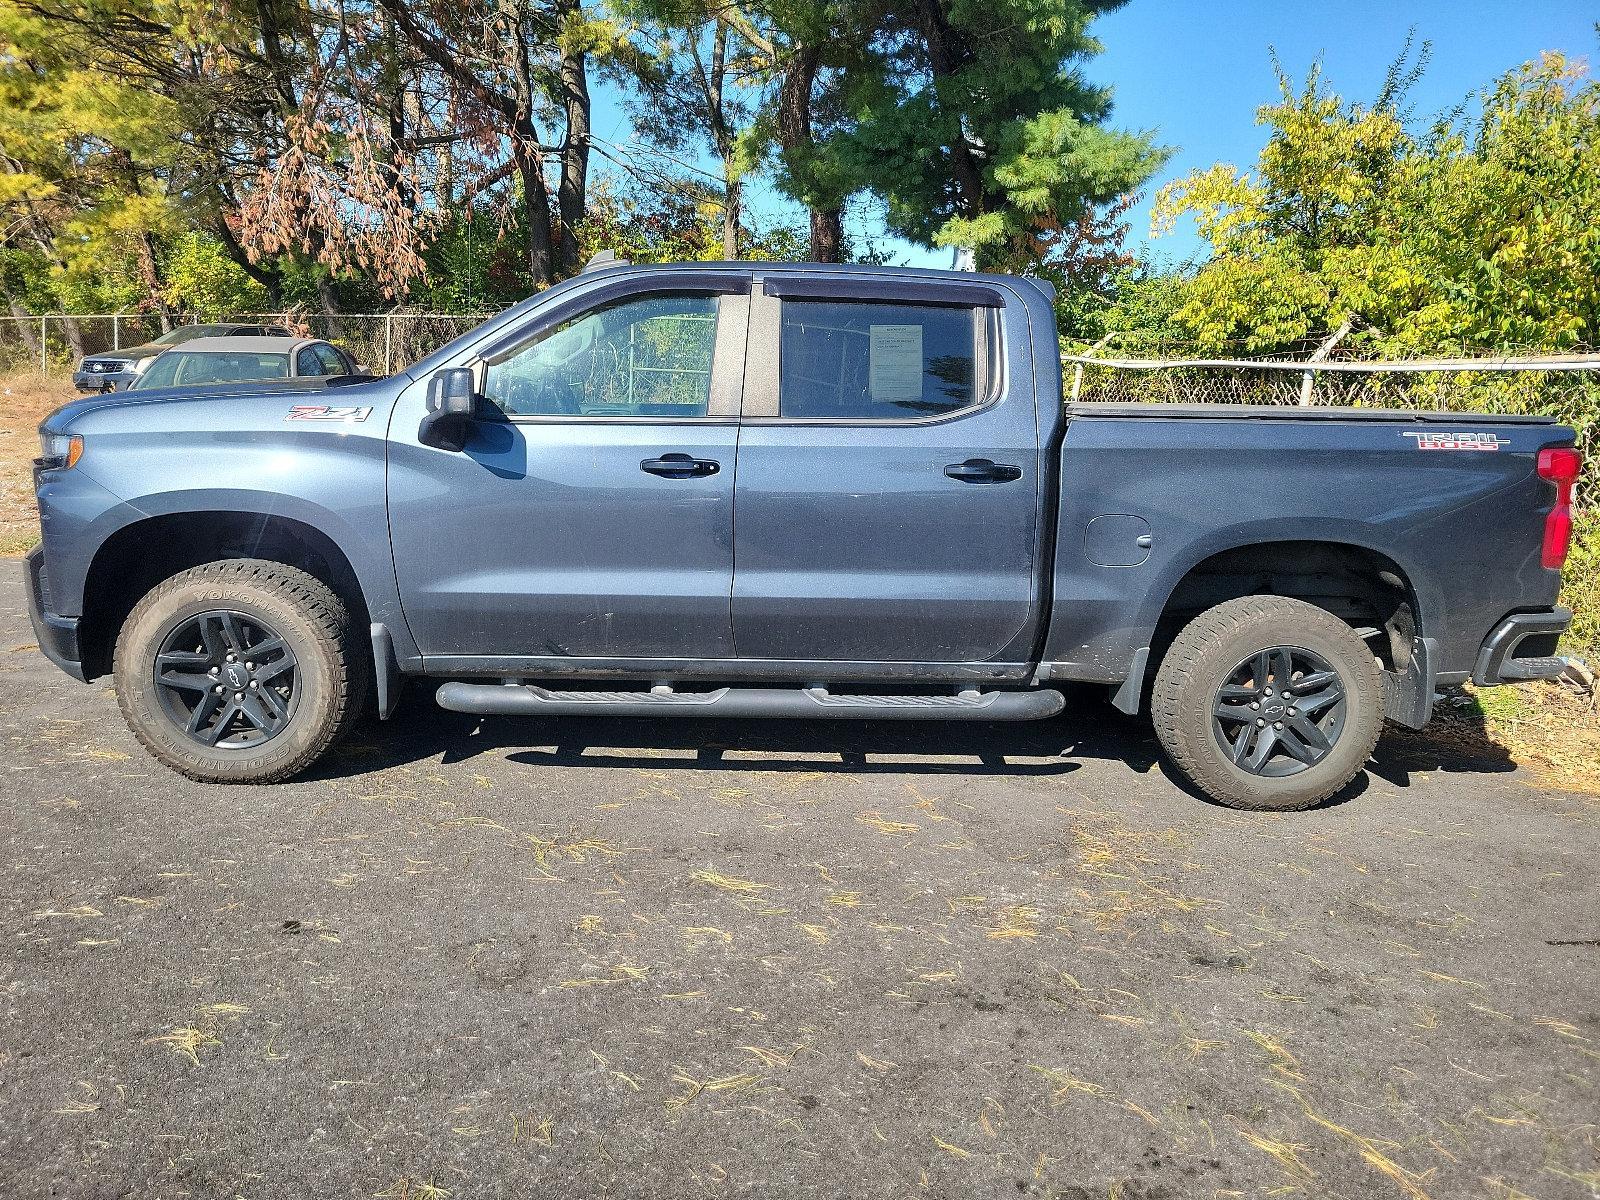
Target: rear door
[(887, 506)]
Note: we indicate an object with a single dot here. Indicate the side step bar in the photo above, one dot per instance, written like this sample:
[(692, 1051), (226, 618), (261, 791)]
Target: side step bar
[(815, 703)]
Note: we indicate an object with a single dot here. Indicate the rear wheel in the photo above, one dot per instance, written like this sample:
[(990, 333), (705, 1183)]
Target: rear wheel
[(1268, 703), (242, 671)]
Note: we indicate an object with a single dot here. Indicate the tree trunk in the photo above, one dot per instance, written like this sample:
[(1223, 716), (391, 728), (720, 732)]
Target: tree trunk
[(827, 235), (732, 206), (152, 279), (25, 325), (946, 56), (330, 304), (572, 193), (794, 137), (74, 337), (267, 276), (536, 208)]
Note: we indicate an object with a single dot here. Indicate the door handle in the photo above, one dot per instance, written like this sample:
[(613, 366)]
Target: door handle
[(983, 470), (680, 466)]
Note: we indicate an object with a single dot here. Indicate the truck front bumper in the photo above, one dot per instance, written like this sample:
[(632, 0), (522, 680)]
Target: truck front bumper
[(57, 636), (1522, 648)]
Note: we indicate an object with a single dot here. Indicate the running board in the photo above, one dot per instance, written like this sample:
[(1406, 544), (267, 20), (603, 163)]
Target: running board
[(814, 703)]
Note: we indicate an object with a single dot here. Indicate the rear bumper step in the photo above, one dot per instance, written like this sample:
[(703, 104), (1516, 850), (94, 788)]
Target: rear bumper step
[(526, 699), (1505, 656)]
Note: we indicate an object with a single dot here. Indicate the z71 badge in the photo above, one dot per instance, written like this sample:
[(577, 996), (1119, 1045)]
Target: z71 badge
[(327, 412), (1450, 439)]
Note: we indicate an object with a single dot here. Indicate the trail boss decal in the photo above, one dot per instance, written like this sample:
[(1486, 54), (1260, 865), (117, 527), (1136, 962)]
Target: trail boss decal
[(1456, 440), (327, 412)]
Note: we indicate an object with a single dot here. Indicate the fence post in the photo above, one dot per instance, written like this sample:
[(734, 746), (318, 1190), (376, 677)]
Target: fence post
[(388, 343), (116, 331), (1077, 371), (1308, 380), (44, 348)]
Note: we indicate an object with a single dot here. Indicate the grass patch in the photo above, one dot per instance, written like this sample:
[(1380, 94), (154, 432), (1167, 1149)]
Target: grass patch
[(26, 398), (1580, 585)]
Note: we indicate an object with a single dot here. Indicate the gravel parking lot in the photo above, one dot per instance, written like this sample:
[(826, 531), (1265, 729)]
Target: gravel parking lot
[(588, 959)]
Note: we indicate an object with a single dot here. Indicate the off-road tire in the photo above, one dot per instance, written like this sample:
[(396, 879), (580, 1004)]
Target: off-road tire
[(303, 611), (1198, 663)]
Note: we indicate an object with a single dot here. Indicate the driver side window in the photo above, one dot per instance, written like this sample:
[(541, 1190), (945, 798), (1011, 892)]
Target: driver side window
[(646, 356)]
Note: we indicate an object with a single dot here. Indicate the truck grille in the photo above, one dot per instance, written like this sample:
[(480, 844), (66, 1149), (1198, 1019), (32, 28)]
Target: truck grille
[(105, 366)]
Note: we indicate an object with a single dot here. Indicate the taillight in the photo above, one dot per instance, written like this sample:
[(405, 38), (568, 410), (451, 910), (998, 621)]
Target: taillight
[(1559, 465)]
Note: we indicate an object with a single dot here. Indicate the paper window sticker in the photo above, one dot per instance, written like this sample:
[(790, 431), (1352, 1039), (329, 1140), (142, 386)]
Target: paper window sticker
[(895, 362)]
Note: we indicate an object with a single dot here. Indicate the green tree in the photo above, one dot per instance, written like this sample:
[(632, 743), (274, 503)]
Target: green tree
[(980, 131), (1482, 231)]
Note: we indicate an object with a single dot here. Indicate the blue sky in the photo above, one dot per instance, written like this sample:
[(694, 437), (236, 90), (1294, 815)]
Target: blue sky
[(1194, 74)]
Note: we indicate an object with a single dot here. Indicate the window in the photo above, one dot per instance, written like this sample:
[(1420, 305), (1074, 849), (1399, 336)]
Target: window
[(183, 368), (306, 362), (333, 362), (646, 356), (855, 360)]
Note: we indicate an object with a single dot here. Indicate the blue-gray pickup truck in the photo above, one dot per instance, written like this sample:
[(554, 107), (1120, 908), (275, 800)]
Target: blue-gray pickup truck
[(758, 490)]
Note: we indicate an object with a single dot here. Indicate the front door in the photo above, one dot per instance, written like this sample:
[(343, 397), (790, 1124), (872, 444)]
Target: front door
[(591, 513), (888, 506)]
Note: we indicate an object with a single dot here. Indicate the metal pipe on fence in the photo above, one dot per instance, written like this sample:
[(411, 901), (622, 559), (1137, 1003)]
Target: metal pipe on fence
[(1405, 366), (44, 346)]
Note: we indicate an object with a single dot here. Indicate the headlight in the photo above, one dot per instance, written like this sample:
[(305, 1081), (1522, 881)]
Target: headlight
[(139, 364), (59, 450)]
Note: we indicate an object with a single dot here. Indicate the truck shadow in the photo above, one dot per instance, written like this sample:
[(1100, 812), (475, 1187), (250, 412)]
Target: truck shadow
[(1089, 729)]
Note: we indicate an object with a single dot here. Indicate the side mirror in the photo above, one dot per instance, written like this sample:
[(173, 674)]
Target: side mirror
[(452, 407)]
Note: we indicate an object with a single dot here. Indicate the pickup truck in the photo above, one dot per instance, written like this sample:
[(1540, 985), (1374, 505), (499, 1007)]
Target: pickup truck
[(762, 490)]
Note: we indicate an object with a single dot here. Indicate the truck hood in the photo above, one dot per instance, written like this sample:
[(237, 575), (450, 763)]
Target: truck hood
[(291, 392)]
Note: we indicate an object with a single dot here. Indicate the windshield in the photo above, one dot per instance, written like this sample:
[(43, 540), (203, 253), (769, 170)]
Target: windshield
[(194, 368), (190, 332)]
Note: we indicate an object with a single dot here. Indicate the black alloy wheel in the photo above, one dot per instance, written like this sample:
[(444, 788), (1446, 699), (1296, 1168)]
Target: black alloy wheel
[(227, 680), (1279, 712)]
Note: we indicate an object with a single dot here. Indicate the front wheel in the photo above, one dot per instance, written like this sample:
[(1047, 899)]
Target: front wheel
[(1268, 703), (241, 671)]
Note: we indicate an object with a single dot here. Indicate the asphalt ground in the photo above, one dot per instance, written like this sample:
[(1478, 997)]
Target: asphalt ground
[(779, 959)]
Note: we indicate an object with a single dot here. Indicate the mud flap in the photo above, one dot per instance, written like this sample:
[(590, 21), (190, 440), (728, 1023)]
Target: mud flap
[(1408, 694)]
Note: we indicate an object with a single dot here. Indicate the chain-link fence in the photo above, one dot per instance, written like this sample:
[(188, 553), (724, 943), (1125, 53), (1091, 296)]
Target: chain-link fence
[(384, 342)]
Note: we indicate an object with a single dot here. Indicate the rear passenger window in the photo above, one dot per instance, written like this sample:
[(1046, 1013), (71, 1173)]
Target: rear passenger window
[(332, 361), (306, 364), (868, 360)]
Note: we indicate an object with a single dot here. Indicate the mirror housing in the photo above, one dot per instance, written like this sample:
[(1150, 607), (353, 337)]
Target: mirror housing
[(452, 407)]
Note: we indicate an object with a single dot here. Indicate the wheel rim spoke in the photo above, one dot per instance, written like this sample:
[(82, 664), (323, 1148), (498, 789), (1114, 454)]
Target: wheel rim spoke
[(212, 734), (1231, 711), (1313, 682), (203, 712), (1312, 705), (273, 704), (1279, 712), (189, 681), (227, 679), (232, 635), (265, 673), (1266, 742), (1260, 669), (216, 646)]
